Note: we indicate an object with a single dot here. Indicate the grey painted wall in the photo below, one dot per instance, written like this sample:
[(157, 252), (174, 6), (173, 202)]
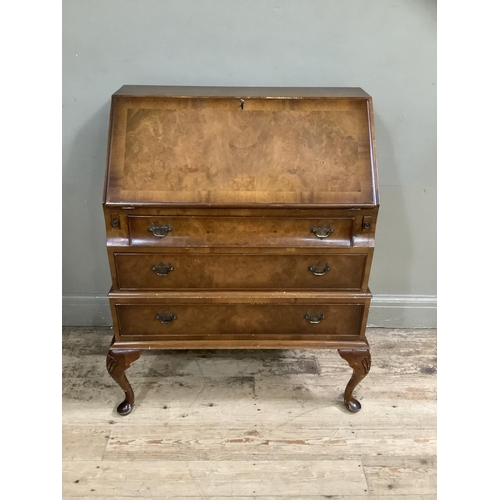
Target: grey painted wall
[(387, 47)]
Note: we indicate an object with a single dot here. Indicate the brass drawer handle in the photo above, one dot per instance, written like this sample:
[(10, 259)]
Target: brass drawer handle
[(161, 269), (322, 231), (314, 318), (166, 318), (160, 231), (319, 269)]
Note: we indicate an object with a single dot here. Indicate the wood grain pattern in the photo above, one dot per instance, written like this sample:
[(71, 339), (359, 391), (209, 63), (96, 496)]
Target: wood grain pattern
[(228, 410), (273, 151), (209, 230), (235, 187), (93, 439), (243, 232), (145, 271), (239, 321), (291, 442), (202, 479), (401, 477)]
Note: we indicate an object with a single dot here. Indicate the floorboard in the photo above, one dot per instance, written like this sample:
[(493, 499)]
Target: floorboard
[(251, 424)]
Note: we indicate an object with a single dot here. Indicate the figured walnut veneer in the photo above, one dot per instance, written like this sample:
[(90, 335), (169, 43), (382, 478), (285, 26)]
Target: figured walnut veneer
[(340, 271), (240, 218), (238, 231), (232, 321), (212, 151)]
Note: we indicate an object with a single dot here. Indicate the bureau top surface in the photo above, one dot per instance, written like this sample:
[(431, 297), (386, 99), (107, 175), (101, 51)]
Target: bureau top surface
[(247, 146), (260, 92)]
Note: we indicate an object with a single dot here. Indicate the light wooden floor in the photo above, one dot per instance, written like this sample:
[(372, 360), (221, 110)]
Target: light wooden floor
[(251, 424)]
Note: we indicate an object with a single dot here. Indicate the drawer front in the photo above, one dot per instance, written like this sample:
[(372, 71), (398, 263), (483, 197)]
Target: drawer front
[(182, 271), (239, 321), (240, 231)]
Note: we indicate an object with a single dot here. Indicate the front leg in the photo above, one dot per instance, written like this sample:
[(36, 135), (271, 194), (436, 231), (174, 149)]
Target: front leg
[(360, 361), (117, 362)]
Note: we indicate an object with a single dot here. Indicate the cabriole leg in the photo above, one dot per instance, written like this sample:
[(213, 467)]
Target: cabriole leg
[(360, 361), (117, 362)]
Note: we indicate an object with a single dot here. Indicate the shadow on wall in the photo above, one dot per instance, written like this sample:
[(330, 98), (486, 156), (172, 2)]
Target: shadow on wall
[(394, 244), (84, 267)]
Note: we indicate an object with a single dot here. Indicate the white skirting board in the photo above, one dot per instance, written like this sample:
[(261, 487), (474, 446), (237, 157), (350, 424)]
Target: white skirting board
[(403, 311), (386, 311)]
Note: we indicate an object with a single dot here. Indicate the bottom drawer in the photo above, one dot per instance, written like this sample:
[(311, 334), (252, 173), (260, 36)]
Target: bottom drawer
[(240, 321)]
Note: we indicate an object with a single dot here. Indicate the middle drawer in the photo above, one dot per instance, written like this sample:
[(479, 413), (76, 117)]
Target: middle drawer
[(166, 271)]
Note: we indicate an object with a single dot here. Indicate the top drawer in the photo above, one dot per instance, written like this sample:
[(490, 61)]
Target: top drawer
[(198, 231)]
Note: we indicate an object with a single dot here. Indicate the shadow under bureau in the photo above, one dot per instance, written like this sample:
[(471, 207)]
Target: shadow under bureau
[(240, 218)]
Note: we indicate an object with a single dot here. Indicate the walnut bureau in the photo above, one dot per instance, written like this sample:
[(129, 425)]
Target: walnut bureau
[(240, 218)]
